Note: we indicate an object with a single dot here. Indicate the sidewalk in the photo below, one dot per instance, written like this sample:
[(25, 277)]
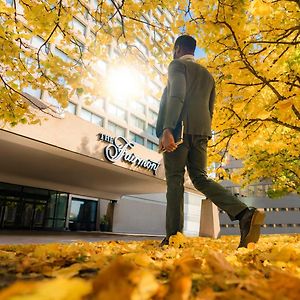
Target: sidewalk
[(45, 237)]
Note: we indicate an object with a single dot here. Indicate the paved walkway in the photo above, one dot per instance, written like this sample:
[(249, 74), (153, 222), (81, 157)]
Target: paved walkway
[(41, 237)]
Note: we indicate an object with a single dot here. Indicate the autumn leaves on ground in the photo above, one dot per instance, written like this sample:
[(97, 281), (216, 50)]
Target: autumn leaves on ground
[(191, 268)]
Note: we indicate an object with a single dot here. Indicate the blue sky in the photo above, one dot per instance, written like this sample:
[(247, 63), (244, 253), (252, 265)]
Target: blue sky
[(200, 53)]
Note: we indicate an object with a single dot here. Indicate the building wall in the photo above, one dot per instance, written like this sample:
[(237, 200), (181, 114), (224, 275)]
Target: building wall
[(146, 214), (282, 215)]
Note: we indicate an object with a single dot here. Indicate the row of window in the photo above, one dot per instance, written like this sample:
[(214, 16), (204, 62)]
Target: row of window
[(283, 209), (116, 129), (264, 225), (259, 190), (276, 209), (120, 131), (116, 111)]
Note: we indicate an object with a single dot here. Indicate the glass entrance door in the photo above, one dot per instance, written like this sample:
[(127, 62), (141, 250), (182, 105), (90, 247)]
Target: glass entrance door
[(83, 214), (33, 214), (24, 207)]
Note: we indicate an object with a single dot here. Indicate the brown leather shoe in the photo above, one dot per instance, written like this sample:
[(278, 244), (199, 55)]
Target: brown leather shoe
[(164, 242), (250, 226)]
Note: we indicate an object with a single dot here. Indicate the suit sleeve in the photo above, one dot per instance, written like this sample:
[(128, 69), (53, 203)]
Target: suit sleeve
[(212, 101), (176, 93), (159, 122)]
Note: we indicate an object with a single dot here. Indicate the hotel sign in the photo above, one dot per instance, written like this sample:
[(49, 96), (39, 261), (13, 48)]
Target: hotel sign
[(118, 149)]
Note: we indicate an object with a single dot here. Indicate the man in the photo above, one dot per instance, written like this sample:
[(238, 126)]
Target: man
[(189, 98)]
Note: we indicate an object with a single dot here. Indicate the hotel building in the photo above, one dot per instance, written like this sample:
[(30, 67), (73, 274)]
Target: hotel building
[(69, 172)]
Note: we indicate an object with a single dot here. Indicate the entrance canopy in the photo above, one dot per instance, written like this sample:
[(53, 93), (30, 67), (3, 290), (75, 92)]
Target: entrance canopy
[(67, 155), (28, 162)]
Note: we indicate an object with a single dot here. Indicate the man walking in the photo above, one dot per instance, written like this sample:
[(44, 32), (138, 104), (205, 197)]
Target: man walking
[(189, 99)]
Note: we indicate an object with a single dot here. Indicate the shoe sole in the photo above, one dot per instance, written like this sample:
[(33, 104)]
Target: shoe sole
[(254, 232)]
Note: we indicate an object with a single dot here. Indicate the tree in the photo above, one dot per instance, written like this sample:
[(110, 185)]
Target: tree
[(43, 47), (253, 50)]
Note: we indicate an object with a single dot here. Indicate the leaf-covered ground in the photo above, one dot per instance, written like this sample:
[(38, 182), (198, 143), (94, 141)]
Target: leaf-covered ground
[(191, 268)]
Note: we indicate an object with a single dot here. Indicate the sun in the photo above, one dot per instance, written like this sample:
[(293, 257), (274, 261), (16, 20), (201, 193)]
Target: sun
[(124, 82)]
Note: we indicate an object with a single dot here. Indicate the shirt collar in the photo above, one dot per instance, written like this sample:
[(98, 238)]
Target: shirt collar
[(188, 57)]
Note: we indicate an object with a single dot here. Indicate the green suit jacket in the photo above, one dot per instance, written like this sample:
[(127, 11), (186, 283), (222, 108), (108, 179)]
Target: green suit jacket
[(188, 97)]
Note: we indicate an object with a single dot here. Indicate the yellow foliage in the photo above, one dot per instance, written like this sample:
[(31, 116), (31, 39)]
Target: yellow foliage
[(190, 268), (251, 46)]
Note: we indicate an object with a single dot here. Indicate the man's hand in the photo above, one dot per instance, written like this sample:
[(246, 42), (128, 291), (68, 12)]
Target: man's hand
[(167, 142)]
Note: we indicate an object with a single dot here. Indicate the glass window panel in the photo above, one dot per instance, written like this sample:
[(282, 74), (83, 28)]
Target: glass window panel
[(71, 108), (154, 87), (137, 122), (10, 187), (152, 114), (152, 146), (86, 115), (145, 21), (151, 130), (61, 205), (101, 66), (51, 206), (97, 120), (136, 138), (153, 101), (138, 107), (141, 46), (95, 4), (59, 224), (78, 26), (37, 42), (53, 101), (33, 92), (116, 111), (62, 55), (37, 191), (118, 130), (97, 103), (49, 223)]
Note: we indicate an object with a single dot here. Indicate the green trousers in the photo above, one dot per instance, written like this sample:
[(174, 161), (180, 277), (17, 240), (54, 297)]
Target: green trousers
[(193, 155)]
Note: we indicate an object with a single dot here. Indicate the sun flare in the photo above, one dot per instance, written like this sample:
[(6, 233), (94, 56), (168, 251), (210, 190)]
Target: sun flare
[(124, 82)]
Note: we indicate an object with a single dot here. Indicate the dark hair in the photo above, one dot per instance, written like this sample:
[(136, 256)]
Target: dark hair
[(186, 42)]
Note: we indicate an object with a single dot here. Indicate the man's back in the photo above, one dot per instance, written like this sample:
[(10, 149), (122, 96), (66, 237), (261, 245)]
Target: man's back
[(190, 91)]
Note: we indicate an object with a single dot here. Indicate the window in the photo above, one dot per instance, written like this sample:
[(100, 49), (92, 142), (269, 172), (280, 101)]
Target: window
[(152, 114), (116, 111), (101, 66), (97, 120), (138, 107), (137, 122), (33, 92), (51, 100), (136, 138), (78, 46), (97, 103), (86, 115), (152, 146), (89, 116), (151, 130), (145, 21), (71, 108), (62, 55), (153, 102), (78, 26), (37, 42), (95, 4), (154, 87), (142, 48), (116, 129)]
